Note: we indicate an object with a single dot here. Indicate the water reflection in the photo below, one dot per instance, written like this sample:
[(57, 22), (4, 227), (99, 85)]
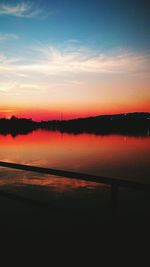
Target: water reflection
[(114, 156), (11, 179)]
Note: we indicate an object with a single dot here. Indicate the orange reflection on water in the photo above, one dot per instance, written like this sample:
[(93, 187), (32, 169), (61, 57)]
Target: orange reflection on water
[(13, 178), (113, 155)]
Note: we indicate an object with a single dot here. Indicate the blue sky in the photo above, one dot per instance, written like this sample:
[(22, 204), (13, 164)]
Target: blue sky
[(99, 23), (78, 52)]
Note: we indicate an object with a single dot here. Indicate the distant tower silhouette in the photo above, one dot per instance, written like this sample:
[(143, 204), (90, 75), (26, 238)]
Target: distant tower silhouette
[(61, 116)]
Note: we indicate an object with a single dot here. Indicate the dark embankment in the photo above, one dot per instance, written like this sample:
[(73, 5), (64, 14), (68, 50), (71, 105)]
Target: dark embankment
[(16, 126), (128, 124), (136, 124)]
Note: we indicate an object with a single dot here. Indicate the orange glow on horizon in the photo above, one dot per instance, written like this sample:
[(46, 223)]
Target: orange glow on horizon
[(39, 114)]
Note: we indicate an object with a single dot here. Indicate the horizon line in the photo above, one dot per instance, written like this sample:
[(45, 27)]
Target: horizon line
[(101, 115)]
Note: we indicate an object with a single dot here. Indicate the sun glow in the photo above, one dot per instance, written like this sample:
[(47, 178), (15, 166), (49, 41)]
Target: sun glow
[(42, 76)]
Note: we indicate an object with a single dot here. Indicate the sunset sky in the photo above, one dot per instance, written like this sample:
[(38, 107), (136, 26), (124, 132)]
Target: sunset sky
[(74, 57)]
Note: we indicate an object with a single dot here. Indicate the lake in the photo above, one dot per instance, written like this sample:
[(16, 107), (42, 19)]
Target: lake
[(33, 201), (112, 155), (118, 156)]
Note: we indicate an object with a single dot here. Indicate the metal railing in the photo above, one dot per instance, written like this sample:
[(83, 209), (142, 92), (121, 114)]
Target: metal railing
[(80, 176), (113, 182)]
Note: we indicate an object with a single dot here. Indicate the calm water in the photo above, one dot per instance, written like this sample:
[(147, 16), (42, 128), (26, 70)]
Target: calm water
[(113, 155)]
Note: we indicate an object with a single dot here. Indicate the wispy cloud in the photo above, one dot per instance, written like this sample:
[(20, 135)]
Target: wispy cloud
[(19, 87), (8, 61), (54, 61), (51, 61), (51, 75), (8, 36), (23, 10)]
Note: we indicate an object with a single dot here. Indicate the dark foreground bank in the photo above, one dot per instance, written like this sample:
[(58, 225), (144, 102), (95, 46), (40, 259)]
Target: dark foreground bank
[(136, 124), (83, 224)]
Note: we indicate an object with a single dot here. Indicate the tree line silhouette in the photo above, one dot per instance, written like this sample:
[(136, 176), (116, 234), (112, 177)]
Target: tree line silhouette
[(137, 124)]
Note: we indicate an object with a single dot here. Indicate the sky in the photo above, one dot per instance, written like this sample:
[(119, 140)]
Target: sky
[(74, 58)]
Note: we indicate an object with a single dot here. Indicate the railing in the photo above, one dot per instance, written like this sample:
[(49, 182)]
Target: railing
[(113, 182), (80, 176)]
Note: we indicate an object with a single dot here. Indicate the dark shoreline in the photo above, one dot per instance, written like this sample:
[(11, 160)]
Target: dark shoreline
[(132, 124)]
